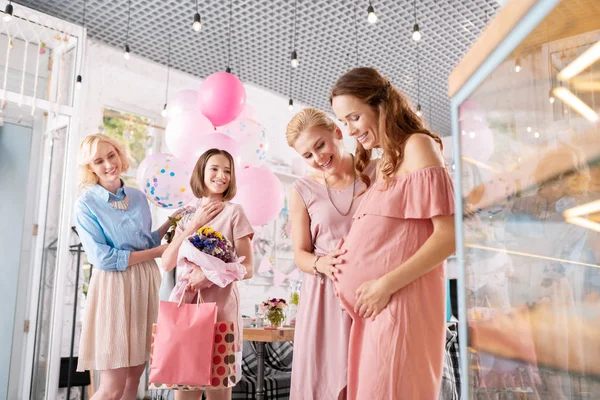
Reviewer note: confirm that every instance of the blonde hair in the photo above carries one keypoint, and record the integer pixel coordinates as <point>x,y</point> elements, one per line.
<point>310,118</point>
<point>197,180</point>
<point>87,151</point>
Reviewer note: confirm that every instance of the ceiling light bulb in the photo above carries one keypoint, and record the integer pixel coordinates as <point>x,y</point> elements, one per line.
<point>371,16</point>
<point>291,105</point>
<point>416,33</point>
<point>551,97</point>
<point>8,12</point>
<point>197,25</point>
<point>164,111</point>
<point>518,65</point>
<point>528,129</point>
<point>294,59</point>
<point>126,54</point>
<point>78,82</point>
<point>537,135</point>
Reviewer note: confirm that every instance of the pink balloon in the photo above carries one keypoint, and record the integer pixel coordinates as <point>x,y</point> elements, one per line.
<point>184,101</point>
<point>477,140</point>
<point>221,98</point>
<point>260,193</point>
<point>183,134</point>
<point>216,140</point>
<point>470,109</point>
<point>248,112</point>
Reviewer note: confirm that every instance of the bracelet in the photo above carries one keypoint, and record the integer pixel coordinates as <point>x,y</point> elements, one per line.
<point>315,271</point>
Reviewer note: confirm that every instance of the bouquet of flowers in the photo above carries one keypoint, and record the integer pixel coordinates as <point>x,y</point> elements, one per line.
<point>211,251</point>
<point>275,311</point>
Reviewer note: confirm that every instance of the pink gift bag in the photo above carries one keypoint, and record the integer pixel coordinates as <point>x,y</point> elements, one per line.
<point>223,365</point>
<point>184,344</point>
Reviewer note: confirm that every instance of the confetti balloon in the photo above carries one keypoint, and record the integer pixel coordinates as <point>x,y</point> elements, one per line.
<point>141,169</point>
<point>166,182</point>
<point>251,138</point>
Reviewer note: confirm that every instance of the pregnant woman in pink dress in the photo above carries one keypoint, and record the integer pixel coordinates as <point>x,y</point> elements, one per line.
<point>392,280</point>
<point>322,206</point>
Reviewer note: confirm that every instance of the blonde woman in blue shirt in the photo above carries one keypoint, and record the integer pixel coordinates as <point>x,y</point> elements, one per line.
<point>114,224</point>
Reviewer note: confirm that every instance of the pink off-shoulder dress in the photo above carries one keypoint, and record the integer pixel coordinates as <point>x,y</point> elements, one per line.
<point>400,354</point>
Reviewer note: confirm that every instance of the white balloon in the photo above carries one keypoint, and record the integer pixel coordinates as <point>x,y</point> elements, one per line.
<point>184,100</point>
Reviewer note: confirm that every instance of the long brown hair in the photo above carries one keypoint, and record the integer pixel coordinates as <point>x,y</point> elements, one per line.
<point>197,180</point>
<point>397,120</point>
<point>310,118</point>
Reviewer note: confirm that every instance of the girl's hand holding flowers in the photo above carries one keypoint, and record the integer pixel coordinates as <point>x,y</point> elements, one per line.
<point>371,298</point>
<point>196,280</point>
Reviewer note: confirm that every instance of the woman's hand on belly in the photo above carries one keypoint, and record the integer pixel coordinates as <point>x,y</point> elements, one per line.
<point>371,298</point>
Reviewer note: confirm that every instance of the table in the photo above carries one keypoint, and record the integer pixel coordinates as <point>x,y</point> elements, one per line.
<point>261,336</point>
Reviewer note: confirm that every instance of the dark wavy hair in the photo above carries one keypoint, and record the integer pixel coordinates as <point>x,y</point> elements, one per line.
<point>397,120</point>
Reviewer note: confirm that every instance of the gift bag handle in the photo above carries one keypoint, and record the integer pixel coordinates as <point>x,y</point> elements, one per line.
<point>199,299</point>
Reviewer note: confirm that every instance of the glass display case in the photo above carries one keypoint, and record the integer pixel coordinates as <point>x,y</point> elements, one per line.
<point>526,131</point>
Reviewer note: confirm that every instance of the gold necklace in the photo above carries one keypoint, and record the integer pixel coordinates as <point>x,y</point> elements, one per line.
<point>353,192</point>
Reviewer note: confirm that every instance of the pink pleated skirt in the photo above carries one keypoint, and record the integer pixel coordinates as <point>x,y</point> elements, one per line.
<point>117,322</point>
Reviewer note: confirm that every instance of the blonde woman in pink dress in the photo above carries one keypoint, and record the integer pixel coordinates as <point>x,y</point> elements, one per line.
<point>321,210</point>
<point>213,183</point>
<point>392,279</point>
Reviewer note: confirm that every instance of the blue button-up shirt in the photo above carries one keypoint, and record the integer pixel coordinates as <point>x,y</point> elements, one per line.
<point>109,235</point>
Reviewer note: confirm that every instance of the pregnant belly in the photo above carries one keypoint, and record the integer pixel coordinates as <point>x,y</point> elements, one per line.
<point>375,246</point>
<point>361,264</point>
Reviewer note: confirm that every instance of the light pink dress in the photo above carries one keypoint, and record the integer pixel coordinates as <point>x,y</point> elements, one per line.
<point>321,339</point>
<point>232,223</point>
<point>400,354</point>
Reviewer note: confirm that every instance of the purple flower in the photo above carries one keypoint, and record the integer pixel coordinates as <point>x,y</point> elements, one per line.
<point>212,245</point>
